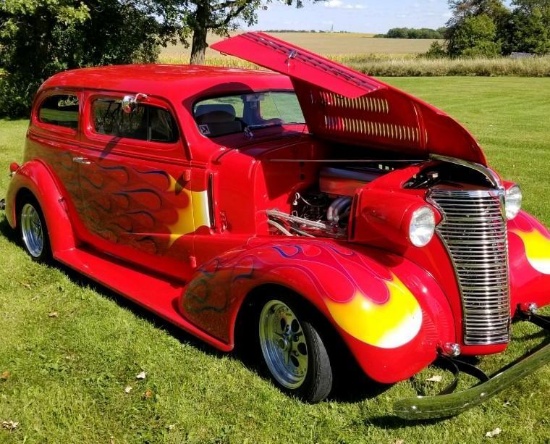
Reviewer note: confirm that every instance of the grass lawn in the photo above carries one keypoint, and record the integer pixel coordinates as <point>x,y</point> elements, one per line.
<point>70,354</point>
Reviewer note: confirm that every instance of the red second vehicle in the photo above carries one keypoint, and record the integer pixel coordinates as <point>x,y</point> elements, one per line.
<point>314,209</point>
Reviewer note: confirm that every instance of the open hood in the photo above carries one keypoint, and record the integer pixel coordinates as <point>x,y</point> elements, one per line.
<point>344,106</point>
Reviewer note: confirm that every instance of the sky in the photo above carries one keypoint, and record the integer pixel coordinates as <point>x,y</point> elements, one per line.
<point>369,16</point>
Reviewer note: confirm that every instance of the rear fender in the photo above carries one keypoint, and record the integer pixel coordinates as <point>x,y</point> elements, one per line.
<point>389,312</point>
<point>34,177</point>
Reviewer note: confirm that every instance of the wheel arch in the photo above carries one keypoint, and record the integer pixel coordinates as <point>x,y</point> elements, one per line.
<point>254,299</point>
<point>34,181</point>
<point>390,313</point>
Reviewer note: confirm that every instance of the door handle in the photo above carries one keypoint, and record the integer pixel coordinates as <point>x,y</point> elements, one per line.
<point>81,160</point>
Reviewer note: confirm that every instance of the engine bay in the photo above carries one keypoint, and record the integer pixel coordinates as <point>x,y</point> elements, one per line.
<point>323,210</point>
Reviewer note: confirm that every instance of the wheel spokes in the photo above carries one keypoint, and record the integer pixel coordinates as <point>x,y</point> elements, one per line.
<point>283,344</point>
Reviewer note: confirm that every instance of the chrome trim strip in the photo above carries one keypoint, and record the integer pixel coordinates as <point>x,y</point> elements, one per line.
<point>487,172</point>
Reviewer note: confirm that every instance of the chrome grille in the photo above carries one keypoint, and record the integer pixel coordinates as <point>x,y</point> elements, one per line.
<point>474,232</point>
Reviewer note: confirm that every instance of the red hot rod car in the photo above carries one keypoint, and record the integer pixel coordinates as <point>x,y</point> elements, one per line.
<point>312,206</point>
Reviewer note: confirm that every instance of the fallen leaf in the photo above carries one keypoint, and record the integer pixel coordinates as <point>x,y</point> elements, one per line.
<point>493,433</point>
<point>9,425</point>
<point>53,314</point>
<point>128,389</point>
<point>5,376</point>
<point>142,375</point>
<point>435,378</point>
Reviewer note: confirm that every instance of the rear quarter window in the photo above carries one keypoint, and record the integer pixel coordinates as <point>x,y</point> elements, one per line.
<point>60,110</point>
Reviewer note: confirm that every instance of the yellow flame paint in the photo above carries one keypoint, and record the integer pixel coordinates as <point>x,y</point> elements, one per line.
<point>195,215</point>
<point>388,325</point>
<point>537,249</point>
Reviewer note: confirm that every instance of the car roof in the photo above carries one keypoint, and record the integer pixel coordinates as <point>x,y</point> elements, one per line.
<point>171,81</point>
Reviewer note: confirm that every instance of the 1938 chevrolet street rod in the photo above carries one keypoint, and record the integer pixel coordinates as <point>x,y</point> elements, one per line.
<point>313,207</point>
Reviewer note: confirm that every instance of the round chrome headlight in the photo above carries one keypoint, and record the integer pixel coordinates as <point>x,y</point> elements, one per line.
<point>513,201</point>
<point>422,226</point>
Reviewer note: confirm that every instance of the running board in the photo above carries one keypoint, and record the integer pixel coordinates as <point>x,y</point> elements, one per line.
<point>156,294</point>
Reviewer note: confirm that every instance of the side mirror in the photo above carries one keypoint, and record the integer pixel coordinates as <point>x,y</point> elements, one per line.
<point>129,103</point>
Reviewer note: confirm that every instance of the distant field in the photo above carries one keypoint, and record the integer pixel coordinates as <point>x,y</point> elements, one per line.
<point>380,57</point>
<point>328,44</point>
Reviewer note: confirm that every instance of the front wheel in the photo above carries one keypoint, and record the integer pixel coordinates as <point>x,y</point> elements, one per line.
<point>33,231</point>
<point>293,351</point>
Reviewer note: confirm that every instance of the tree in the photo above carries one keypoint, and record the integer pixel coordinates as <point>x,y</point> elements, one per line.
<point>412,33</point>
<point>476,36</point>
<point>476,27</point>
<point>39,38</point>
<point>219,17</point>
<point>528,29</point>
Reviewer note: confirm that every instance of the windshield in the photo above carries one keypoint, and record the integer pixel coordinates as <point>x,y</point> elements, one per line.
<point>238,113</point>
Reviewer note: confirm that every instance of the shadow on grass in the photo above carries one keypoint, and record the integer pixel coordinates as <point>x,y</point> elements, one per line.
<point>6,231</point>
<point>79,279</point>
<point>351,385</point>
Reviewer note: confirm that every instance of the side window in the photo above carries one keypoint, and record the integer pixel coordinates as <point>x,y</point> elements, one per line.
<point>219,116</point>
<point>145,122</point>
<point>61,110</point>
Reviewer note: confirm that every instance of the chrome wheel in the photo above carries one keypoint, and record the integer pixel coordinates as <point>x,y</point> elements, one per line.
<point>32,230</point>
<point>283,344</point>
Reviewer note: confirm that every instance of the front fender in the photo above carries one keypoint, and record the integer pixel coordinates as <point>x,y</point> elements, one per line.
<point>390,313</point>
<point>529,252</point>
<point>35,177</point>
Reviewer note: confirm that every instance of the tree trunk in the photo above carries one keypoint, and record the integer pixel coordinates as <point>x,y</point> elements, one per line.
<point>199,45</point>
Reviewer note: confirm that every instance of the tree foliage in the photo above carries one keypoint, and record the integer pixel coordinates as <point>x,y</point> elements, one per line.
<point>219,17</point>
<point>413,33</point>
<point>476,36</point>
<point>529,27</point>
<point>39,38</point>
<point>475,28</point>
<point>489,28</point>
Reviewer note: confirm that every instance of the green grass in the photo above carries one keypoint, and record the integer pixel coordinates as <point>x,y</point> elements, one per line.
<point>69,351</point>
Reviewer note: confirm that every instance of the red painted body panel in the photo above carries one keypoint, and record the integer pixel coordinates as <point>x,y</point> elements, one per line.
<point>192,226</point>
<point>376,313</point>
<point>529,244</point>
<point>36,178</point>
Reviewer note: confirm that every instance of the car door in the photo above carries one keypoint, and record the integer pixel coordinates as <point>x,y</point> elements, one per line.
<point>54,138</point>
<point>135,181</point>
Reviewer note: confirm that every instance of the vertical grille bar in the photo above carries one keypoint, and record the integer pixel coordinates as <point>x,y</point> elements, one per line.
<point>474,232</point>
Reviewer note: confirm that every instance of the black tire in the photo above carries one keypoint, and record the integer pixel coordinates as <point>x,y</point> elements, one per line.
<point>292,350</point>
<point>33,230</point>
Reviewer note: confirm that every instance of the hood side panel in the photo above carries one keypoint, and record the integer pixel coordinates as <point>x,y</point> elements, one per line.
<point>379,119</point>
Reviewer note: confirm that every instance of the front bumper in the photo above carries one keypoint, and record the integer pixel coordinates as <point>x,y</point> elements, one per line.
<point>451,404</point>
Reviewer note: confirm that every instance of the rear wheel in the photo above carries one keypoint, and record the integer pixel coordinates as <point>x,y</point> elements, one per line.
<point>293,351</point>
<point>33,230</point>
